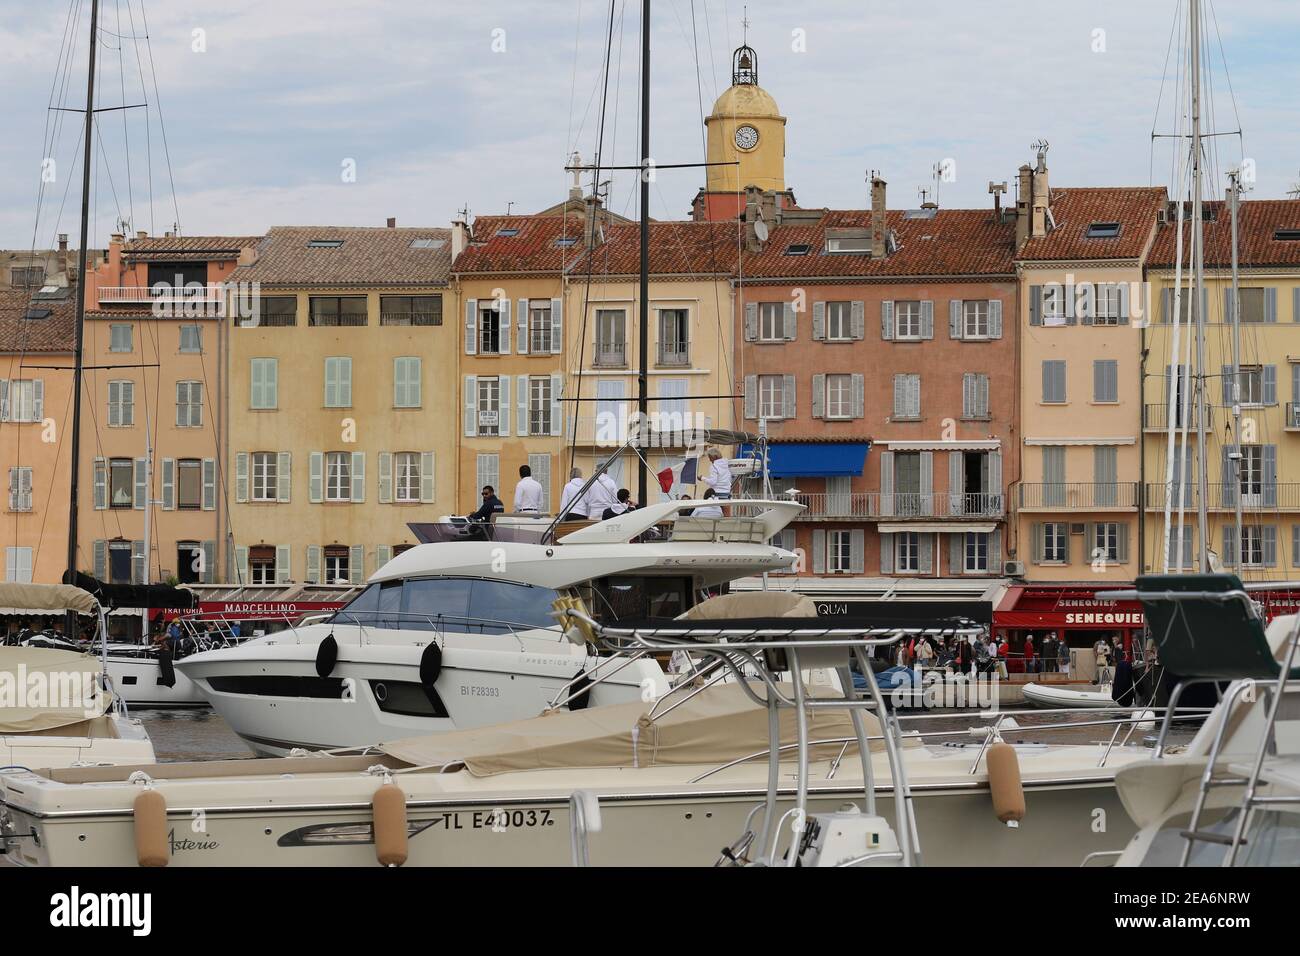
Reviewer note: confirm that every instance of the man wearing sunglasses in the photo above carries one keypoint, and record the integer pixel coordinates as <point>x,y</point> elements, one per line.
<point>491,505</point>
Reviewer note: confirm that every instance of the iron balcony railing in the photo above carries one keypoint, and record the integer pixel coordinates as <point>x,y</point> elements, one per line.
<point>898,506</point>
<point>675,355</point>
<point>1088,494</point>
<point>667,431</point>
<point>212,292</point>
<point>1156,417</point>
<point>1222,496</point>
<point>610,354</point>
<point>410,318</point>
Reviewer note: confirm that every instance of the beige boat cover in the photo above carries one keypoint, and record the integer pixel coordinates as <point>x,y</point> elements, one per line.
<point>46,597</point>
<point>48,675</point>
<point>715,726</point>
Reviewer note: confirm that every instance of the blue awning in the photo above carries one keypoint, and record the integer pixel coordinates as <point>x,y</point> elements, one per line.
<point>813,459</point>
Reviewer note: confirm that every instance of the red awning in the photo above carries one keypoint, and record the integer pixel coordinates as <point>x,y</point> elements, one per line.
<point>1066,607</point>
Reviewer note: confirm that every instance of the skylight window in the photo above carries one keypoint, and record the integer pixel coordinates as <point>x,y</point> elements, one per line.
<point>39,313</point>
<point>797,249</point>
<point>565,241</point>
<point>428,243</point>
<point>324,243</point>
<point>1287,235</point>
<point>1103,230</point>
<point>507,233</point>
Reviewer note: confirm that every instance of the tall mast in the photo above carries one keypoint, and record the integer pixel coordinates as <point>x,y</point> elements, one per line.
<point>643,331</point>
<point>86,160</point>
<point>1234,195</point>
<point>1198,287</point>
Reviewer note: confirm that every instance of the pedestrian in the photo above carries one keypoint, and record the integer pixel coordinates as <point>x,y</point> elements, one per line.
<point>924,654</point>
<point>1049,652</point>
<point>1031,665</point>
<point>1063,656</point>
<point>528,493</point>
<point>573,502</point>
<point>719,476</point>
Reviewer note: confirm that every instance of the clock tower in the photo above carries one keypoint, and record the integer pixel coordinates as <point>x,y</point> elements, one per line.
<point>745,127</point>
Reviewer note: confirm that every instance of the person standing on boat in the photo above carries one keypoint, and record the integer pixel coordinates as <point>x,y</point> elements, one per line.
<point>719,476</point>
<point>528,493</point>
<point>623,505</point>
<point>602,494</point>
<point>573,503</point>
<point>491,505</point>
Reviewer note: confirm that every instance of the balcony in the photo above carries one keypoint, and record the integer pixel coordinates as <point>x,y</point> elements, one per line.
<point>873,506</point>
<point>1069,496</point>
<point>610,355</point>
<point>612,429</point>
<point>208,299</point>
<point>675,355</point>
<point>1155,418</point>
<point>1271,498</point>
<point>1292,416</point>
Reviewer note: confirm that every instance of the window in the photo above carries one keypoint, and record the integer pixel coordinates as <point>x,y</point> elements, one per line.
<point>121,404</point>
<point>771,321</point>
<point>1252,472</point>
<point>1107,304</point>
<point>539,405</point>
<point>489,330</point>
<point>406,382</point>
<point>842,244</point>
<point>338,477</point>
<point>27,277</point>
<point>191,338</point>
<point>674,337</point>
<point>564,242</point>
<point>20,488</point>
<point>18,565</point>
<point>611,341</point>
<point>975,395</point>
<point>1055,542</point>
<point>839,552</point>
<point>1105,381</point>
<point>261,564</point>
<point>189,562</point>
<point>1103,230</point>
<point>1105,541</point>
<point>338,382</point>
<point>797,249</point>
<point>335,310</point>
<point>406,476</point>
<point>1054,476</point>
<point>839,321</point>
<point>1053,304</point>
<point>907,320</point>
<point>1054,382</point>
<point>489,406</point>
<point>907,397</point>
<point>189,404</point>
<point>119,337</point>
<point>907,552</point>
<point>1253,385</point>
<point>277,310</point>
<point>22,400</point>
<point>839,396</point>
<point>975,318</point>
<point>1286,235</point>
<point>1252,545</point>
<point>324,243</point>
<point>264,476</point>
<point>121,472</point>
<point>907,484</point>
<point>771,396</point>
<point>507,233</point>
<point>428,243</point>
<point>540,330</point>
<point>410,309</point>
<point>189,484</point>
<point>1105,475</point>
<point>337,565</point>
<point>264,380</point>
<point>977,553</point>
<point>1253,306</point>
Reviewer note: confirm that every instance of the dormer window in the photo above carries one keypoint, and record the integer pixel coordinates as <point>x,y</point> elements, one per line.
<point>1103,230</point>
<point>848,241</point>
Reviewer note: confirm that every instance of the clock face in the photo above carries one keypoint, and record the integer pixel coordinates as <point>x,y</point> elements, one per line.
<point>746,137</point>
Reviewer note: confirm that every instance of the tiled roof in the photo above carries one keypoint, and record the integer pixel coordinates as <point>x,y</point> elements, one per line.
<point>187,248</point>
<point>1074,210</point>
<point>1257,222</point>
<point>53,333</point>
<point>532,248</point>
<point>369,256</point>
<point>952,242</point>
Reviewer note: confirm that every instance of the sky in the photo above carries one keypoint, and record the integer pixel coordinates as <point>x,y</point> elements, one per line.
<point>347,112</point>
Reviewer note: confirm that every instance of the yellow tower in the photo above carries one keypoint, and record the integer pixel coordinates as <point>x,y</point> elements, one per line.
<point>745,126</point>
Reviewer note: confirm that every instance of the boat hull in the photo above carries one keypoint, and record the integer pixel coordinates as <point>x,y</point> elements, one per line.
<point>137,681</point>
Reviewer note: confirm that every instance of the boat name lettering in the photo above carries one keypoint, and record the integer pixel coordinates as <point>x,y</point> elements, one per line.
<point>478,690</point>
<point>184,843</point>
<point>498,820</point>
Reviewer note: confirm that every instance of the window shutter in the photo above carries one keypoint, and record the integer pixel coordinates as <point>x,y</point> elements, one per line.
<point>1227,473</point>
<point>954,319</point>
<point>925,553</point>
<point>358,476</point>
<point>1121,543</point>
<point>4,400</point>
<point>345,382</point>
<point>914,396</point>
<point>257,384</point>
<point>38,398</point>
<point>209,484</point>
<point>1227,306</point>
<point>1295,304</point>
<point>1036,536</point>
<point>995,318</point>
<point>995,552</point>
<point>522,312</point>
<point>859,395</point>
<point>1166,305</point>
<point>283,476</point>
<point>316,481</point>
<point>557,406</point>
<point>819,552</point>
<point>471,326</point>
<point>1270,304</point>
<point>819,322</point>
<point>818,396</point>
<point>982,396</point>
<point>858,319</point>
<point>968,395</point>
<point>557,327</point>
<point>101,486</point>
<point>751,396</point>
<point>503,407</point>
<point>209,562</point>
<point>789,321</point>
<point>385,477</point>
<point>1270,476</point>
<point>751,321</point>
<point>101,560</point>
<point>521,404</point>
<point>283,569</point>
<point>1229,555</point>
<point>1227,378</point>
<point>857,548</point>
<point>956,482</point>
<point>383,554</point>
<point>957,554</point>
<point>471,406</point>
<point>1295,545</point>
<point>900,396</point>
<point>1270,545</point>
<point>887,319</point>
<point>241,565</point>
<point>357,564</point>
<point>331,383</point>
<point>241,477</point>
<point>886,554</point>
<point>427,473</point>
<point>313,564</point>
<point>1270,384</point>
<point>788,397</point>
<point>141,488</point>
<point>399,382</point>
<point>927,319</point>
<point>137,562</point>
<point>1035,305</point>
<point>505,326</point>
<point>541,466</point>
<point>887,484</point>
<point>927,482</point>
<point>182,409</point>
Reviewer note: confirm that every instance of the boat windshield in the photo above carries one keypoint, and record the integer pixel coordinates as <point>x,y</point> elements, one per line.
<point>469,605</point>
<point>458,530</point>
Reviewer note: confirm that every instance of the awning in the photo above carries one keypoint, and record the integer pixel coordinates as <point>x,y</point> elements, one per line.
<point>946,527</point>
<point>134,595</point>
<point>813,459</point>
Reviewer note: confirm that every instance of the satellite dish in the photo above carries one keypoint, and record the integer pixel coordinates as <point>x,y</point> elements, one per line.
<point>760,230</point>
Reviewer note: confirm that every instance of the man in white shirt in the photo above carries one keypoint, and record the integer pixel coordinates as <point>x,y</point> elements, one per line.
<point>572,504</point>
<point>528,493</point>
<point>602,494</point>
<point>719,476</point>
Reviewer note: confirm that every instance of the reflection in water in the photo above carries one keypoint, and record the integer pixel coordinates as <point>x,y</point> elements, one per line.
<point>191,735</point>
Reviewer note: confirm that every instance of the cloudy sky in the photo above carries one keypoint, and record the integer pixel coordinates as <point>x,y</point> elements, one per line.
<point>437,105</point>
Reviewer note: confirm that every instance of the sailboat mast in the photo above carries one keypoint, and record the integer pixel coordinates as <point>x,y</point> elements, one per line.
<point>643,330</point>
<point>1235,195</point>
<point>86,160</point>
<point>1198,291</point>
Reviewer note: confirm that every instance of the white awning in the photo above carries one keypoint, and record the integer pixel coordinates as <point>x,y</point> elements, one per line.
<point>947,527</point>
<point>966,444</point>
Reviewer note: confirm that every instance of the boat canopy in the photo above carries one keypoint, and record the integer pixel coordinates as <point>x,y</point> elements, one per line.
<point>31,675</point>
<point>715,726</point>
<point>135,595</point>
<point>17,598</point>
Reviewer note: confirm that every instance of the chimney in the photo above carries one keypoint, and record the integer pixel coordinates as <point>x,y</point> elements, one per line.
<point>142,234</point>
<point>63,253</point>
<point>877,217</point>
<point>595,222</point>
<point>1024,190</point>
<point>1041,195</point>
<point>63,242</point>
<point>392,222</point>
<point>459,237</point>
